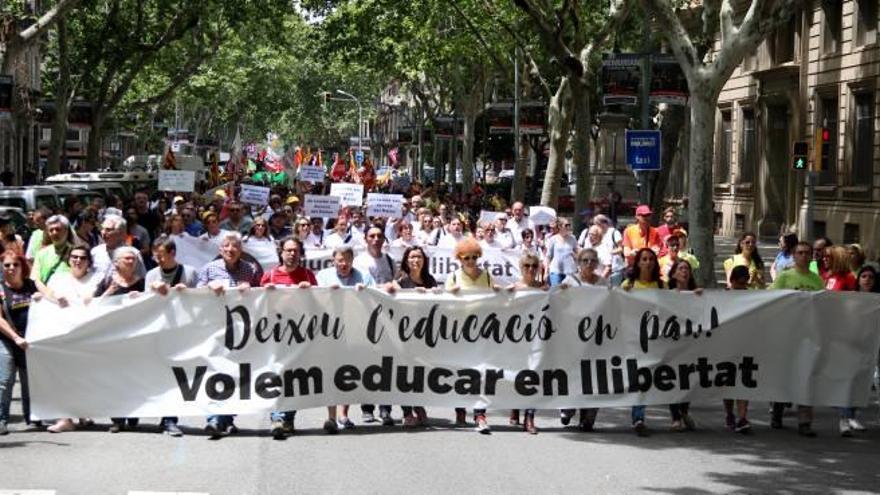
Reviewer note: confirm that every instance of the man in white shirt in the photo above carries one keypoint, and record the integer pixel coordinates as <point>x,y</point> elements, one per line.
<point>519,222</point>
<point>453,234</point>
<point>489,240</point>
<point>382,270</point>
<point>504,235</point>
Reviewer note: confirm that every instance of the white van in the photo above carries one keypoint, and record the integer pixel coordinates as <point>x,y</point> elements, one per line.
<point>122,184</point>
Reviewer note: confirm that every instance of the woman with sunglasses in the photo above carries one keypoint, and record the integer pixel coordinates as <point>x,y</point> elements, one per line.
<point>530,268</point>
<point>17,291</point>
<point>76,286</point>
<point>560,250</point>
<point>470,277</point>
<point>587,275</point>
<point>414,274</point>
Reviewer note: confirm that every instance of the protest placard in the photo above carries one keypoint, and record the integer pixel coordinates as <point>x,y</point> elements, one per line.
<point>489,216</point>
<point>254,195</point>
<point>177,180</point>
<point>311,174</point>
<point>541,215</point>
<point>351,194</point>
<point>384,205</point>
<point>322,206</point>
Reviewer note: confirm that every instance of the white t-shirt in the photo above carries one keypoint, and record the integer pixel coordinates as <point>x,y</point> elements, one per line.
<point>560,254</point>
<point>381,269</point>
<point>518,227</point>
<point>64,284</point>
<point>573,280</point>
<point>506,238</point>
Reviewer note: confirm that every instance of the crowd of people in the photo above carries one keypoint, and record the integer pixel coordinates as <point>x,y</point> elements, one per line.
<point>112,247</point>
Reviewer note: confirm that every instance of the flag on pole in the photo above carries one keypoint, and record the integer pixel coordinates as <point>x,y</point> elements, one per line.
<point>169,162</point>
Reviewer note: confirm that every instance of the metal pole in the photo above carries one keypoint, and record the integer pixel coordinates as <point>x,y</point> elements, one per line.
<point>516,136</point>
<point>360,126</point>
<point>811,203</point>
<point>644,95</point>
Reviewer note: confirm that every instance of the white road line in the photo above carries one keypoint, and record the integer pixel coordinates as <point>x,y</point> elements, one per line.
<point>140,492</point>
<point>26,492</point>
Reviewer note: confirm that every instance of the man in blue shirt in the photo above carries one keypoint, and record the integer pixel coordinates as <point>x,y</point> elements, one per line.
<point>343,274</point>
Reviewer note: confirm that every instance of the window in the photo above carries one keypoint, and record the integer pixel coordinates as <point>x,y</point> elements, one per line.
<point>866,22</point>
<point>863,140</point>
<point>828,113</point>
<point>739,222</point>
<point>725,144</point>
<point>73,134</point>
<point>851,233</point>
<point>46,134</point>
<point>832,11</point>
<point>781,43</point>
<point>820,229</point>
<point>748,148</point>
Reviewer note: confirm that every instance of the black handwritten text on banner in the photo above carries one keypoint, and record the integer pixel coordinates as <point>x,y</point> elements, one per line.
<point>254,351</point>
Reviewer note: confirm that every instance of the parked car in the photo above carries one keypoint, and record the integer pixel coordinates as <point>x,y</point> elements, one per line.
<point>29,198</point>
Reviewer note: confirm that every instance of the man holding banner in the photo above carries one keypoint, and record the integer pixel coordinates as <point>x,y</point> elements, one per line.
<point>381,268</point>
<point>290,274</point>
<point>230,271</point>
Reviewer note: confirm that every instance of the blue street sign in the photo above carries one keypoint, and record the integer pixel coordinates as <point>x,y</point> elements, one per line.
<point>643,150</point>
<point>359,157</point>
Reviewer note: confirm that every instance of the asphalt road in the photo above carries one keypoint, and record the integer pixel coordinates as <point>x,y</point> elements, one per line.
<point>444,459</point>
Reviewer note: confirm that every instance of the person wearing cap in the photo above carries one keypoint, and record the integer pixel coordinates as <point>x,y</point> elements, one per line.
<point>640,235</point>
<point>278,226</point>
<point>176,205</point>
<point>675,244</point>
<point>213,232</point>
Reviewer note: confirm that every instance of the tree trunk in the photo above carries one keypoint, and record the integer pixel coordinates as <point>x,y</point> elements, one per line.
<point>467,159</point>
<point>581,148</point>
<point>701,208</point>
<point>96,135</point>
<point>559,128</point>
<point>671,126</point>
<point>520,170</point>
<point>63,97</point>
<point>453,152</point>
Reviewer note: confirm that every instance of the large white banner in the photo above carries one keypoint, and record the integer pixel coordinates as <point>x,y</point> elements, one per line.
<point>253,351</point>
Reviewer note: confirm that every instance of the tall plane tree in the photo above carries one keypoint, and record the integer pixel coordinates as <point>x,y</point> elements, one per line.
<point>707,70</point>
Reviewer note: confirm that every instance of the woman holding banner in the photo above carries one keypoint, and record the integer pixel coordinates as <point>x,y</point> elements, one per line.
<point>17,291</point>
<point>125,279</point>
<point>681,277</point>
<point>530,268</point>
<point>645,274</point>
<point>414,274</point>
<point>588,262</point>
<point>470,277</point>
<point>77,285</point>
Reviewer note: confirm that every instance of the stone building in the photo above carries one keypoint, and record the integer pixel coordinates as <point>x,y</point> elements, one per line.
<point>822,69</point>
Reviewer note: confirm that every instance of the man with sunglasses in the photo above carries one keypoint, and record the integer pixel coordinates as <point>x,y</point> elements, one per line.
<point>383,271</point>
<point>799,277</point>
<point>237,220</point>
<point>640,235</point>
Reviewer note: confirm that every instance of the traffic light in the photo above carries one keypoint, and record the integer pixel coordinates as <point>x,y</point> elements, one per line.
<point>799,155</point>
<point>822,160</point>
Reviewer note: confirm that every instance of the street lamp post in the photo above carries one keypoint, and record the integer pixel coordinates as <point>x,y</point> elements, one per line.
<point>354,98</point>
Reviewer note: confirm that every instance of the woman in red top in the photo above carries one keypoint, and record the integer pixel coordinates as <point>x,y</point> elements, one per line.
<point>839,277</point>
<point>837,274</point>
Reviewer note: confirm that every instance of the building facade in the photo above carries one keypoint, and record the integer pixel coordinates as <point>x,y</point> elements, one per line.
<point>821,70</point>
